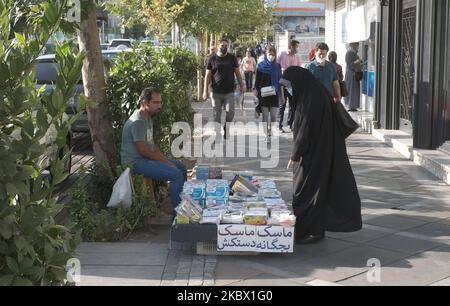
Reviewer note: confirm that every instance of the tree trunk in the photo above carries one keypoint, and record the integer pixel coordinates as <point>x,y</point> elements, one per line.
<point>199,72</point>
<point>95,90</point>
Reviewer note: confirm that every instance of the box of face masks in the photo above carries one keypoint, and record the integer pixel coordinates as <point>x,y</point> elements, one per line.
<point>195,189</point>
<point>217,189</point>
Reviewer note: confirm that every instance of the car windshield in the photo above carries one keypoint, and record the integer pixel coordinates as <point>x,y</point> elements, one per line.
<point>120,42</point>
<point>46,72</point>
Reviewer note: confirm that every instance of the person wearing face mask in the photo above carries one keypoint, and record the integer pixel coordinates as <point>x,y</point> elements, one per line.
<point>268,74</point>
<point>139,150</point>
<point>326,72</point>
<point>286,60</point>
<point>221,71</point>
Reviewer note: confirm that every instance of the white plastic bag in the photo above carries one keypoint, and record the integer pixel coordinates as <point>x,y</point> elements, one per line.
<point>122,194</point>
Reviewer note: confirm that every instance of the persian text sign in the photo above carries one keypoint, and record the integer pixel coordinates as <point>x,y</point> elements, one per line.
<point>249,238</point>
<point>275,239</point>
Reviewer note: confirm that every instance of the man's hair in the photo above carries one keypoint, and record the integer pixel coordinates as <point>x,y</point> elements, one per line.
<point>147,94</point>
<point>322,46</point>
<point>223,40</point>
<point>294,43</point>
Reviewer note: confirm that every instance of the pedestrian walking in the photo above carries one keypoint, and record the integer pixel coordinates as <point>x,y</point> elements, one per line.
<point>288,59</point>
<point>332,57</point>
<point>221,71</point>
<point>326,197</point>
<point>325,71</point>
<point>268,90</point>
<point>353,77</point>
<point>249,68</point>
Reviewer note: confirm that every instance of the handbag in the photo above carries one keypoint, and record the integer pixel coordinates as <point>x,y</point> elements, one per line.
<point>344,91</point>
<point>268,91</point>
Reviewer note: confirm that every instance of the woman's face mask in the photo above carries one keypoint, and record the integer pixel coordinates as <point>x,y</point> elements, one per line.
<point>272,58</point>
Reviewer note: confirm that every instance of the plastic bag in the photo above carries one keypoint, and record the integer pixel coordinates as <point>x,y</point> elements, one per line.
<point>122,194</point>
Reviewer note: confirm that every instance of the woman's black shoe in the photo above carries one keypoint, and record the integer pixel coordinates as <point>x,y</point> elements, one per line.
<point>310,239</point>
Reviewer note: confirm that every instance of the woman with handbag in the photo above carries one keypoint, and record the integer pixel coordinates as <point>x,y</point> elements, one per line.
<point>326,196</point>
<point>268,90</point>
<point>332,57</point>
<point>353,76</point>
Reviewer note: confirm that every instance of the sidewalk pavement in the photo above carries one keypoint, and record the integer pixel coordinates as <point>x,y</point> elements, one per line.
<point>406,213</point>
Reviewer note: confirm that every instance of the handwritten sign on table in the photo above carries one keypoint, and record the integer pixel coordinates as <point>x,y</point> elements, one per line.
<point>248,238</point>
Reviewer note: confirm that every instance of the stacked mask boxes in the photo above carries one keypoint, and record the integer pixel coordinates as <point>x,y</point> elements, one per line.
<point>196,190</point>
<point>217,193</point>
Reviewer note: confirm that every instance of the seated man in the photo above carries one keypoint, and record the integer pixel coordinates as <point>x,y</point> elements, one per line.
<point>139,150</point>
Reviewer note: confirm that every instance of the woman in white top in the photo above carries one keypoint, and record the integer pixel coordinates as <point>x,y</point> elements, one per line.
<point>248,65</point>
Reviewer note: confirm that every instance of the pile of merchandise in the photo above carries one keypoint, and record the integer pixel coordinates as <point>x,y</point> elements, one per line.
<point>216,201</point>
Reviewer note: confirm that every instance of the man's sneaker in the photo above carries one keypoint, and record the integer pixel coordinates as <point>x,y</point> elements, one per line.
<point>282,130</point>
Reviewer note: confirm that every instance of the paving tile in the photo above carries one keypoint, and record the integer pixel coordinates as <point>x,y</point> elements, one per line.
<point>435,230</point>
<point>119,247</point>
<point>123,259</point>
<point>232,271</point>
<point>266,280</point>
<point>404,244</point>
<point>421,270</point>
<point>120,276</point>
<point>443,283</point>
<point>364,235</point>
<point>395,222</point>
<point>344,264</point>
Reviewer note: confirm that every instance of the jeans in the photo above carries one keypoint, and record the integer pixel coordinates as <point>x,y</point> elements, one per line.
<point>282,109</point>
<point>249,79</point>
<point>160,171</point>
<point>220,101</point>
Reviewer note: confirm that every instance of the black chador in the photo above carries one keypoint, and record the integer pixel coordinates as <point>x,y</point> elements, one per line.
<point>326,197</point>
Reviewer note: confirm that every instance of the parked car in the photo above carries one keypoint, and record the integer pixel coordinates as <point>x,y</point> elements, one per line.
<point>46,74</point>
<point>120,43</point>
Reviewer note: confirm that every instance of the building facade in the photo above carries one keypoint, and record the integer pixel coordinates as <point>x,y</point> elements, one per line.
<point>406,48</point>
<point>303,21</point>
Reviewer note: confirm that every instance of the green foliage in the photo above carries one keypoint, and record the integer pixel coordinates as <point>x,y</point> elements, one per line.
<point>171,70</point>
<point>159,15</point>
<point>98,223</point>
<point>230,18</point>
<point>33,248</point>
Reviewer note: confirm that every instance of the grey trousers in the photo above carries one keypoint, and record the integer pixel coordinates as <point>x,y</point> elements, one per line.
<point>221,101</point>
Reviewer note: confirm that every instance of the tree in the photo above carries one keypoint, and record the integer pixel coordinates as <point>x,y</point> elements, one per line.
<point>34,249</point>
<point>229,18</point>
<point>95,88</point>
<point>159,15</point>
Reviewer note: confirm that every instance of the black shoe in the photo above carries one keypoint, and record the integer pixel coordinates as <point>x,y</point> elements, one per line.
<point>310,239</point>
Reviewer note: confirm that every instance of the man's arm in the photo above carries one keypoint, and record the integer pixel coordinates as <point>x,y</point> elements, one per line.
<point>155,155</point>
<point>207,83</point>
<point>337,91</point>
<point>237,71</point>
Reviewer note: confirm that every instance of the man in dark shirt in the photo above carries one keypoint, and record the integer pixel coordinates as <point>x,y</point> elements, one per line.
<point>221,70</point>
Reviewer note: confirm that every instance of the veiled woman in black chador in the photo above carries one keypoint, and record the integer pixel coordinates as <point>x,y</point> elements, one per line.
<point>326,197</point>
